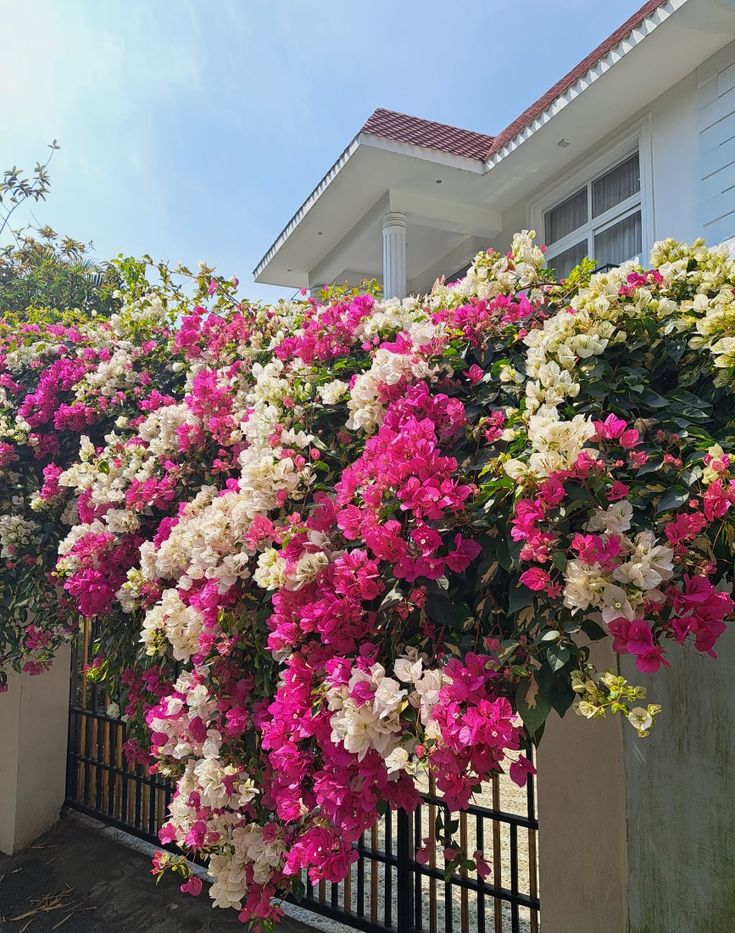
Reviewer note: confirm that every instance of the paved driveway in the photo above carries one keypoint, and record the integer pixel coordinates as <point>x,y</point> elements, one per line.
<point>78,879</point>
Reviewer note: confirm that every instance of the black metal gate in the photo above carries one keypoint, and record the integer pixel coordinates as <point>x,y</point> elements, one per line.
<point>387,889</point>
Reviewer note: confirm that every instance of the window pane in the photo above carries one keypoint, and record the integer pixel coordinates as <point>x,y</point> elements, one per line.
<point>617,185</point>
<point>569,215</point>
<point>620,242</point>
<point>563,263</point>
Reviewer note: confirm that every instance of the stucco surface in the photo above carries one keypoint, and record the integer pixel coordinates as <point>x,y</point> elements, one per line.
<point>681,798</point>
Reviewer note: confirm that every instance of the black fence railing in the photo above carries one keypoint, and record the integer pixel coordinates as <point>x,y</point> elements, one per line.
<point>387,889</point>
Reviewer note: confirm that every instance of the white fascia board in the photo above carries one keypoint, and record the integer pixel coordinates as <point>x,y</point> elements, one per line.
<point>601,67</point>
<point>437,156</point>
<point>307,205</point>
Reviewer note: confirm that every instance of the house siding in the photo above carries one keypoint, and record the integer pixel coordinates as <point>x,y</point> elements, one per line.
<point>716,139</point>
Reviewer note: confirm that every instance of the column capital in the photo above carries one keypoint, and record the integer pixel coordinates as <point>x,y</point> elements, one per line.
<point>394,219</point>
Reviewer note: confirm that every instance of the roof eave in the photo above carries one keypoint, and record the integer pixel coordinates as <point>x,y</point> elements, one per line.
<point>372,141</point>
<point>601,66</point>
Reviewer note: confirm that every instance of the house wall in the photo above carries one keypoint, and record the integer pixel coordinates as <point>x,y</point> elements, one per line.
<point>691,133</point>
<point>716,145</point>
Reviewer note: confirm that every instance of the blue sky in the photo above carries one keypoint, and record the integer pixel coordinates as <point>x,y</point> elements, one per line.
<point>193,129</point>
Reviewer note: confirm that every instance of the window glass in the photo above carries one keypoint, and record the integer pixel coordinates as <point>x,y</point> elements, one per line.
<point>620,242</point>
<point>564,262</point>
<point>565,218</point>
<point>616,185</point>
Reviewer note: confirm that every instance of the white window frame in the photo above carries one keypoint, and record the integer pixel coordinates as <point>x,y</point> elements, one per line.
<point>637,137</point>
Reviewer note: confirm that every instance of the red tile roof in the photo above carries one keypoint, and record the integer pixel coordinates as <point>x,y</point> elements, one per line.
<point>537,108</point>
<point>430,135</point>
<point>426,133</point>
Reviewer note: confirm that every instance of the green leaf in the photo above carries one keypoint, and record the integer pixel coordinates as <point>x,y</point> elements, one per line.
<point>654,400</point>
<point>593,630</point>
<point>519,598</point>
<point>559,560</point>
<point>533,707</point>
<point>675,497</point>
<point>650,466</point>
<point>557,656</point>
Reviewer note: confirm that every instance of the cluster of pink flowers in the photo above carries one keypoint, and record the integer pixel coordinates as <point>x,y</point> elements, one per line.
<point>648,580</point>
<point>332,547</point>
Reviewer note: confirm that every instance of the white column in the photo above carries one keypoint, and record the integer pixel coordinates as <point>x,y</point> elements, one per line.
<point>34,717</point>
<point>394,255</point>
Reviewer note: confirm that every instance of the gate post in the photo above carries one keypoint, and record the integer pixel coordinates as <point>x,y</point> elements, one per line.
<point>34,719</point>
<point>583,857</point>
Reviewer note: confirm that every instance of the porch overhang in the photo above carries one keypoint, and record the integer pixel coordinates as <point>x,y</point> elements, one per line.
<point>336,234</point>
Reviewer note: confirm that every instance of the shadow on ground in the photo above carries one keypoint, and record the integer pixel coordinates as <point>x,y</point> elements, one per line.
<point>76,879</point>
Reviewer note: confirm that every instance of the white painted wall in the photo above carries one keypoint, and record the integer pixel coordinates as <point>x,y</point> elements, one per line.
<point>34,716</point>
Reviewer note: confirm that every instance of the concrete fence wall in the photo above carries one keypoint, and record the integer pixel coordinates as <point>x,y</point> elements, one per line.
<point>636,836</point>
<point>34,716</point>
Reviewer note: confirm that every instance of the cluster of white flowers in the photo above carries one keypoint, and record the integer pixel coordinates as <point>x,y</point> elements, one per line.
<point>390,316</point>
<point>274,571</point>
<point>333,392</point>
<point>360,725</point>
<point>173,621</point>
<point>622,591</point>
<point>109,376</point>
<point>16,533</point>
<point>492,274</point>
<point>387,368</point>
<point>556,444</point>
<point>250,848</point>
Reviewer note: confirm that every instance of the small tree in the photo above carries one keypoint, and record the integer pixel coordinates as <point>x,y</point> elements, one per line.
<point>39,268</point>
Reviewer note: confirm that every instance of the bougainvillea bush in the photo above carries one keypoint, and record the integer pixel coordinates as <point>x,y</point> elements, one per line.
<point>334,545</point>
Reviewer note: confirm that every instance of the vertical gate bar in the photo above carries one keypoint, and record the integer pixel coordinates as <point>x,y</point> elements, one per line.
<point>515,922</point>
<point>433,905</point>
<point>106,768</point>
<point>480,834</point>
<point>82,769</point>
<point>374,875</point>
<point>138,796</point>
<point>464,893</point>
<point>161,808</point>
<point>418,880</point>
<point>152,801</point>
<point>448,907</point>
<point>532,876</point>
<point>99,762</point>
<point>388,874</point>
<point>404,875</point>
<point>361,879</point>
<point>119,806</point>
<point>347,892</point>
<point>322,891</point>
<point>72,739</point>
<point>92,756</point>
<point>497,866</point>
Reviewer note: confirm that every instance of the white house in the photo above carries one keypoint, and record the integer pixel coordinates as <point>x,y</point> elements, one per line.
<point>636,143</point>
